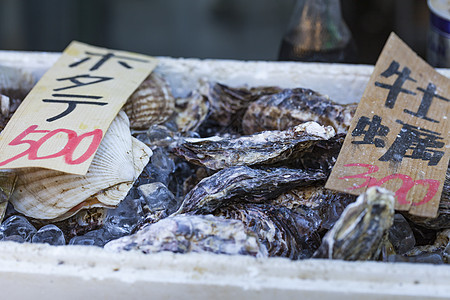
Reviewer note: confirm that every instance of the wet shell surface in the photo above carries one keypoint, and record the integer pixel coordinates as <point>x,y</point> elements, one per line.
<point>191,112</point>
<point>151,103</point>
<point>8,180</point>
<point>185,234</point>
<point>48,194</point>
<point>284,232</point>
<point>229,103</point>
<point>291,107</point>
<point>244,184</point>
<point>264,148</point>
<point>362,229</point>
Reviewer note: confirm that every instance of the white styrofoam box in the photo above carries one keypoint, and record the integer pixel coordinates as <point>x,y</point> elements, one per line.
<point>75,272</point>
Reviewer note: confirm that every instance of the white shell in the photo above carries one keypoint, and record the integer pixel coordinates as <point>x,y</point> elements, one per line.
<point>48,194</point>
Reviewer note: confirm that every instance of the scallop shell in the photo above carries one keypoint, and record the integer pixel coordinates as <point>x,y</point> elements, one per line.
<point>151,103</point>
<point>48,194</point>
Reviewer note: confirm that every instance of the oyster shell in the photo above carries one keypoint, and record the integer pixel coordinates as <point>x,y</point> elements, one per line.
<point>322,155</point>
<point>151,103</point>
<point>315,199</point>
<point>8,181</point>
<point>260,149</point>
<point>441,242</point>
<point>48,194</point>
<point>7,108</point>
<point>291,107</point>
<point>436,253</point>
<point>283,232</point>
<point>191,112</point>
<point>228,104</point>
<point>362,229</point>
<point>184,234</point>
<point>244,184</point>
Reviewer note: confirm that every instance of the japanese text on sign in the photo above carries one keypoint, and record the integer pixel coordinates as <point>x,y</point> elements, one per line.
<point>61,122</point>
<point>400,133</point>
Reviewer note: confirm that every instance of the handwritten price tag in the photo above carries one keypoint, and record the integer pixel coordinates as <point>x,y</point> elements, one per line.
<point>61,122</point>
<point>399,137</point>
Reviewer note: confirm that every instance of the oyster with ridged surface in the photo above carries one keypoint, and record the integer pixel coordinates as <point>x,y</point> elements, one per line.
<point>264,148</point>
<point>284,232</point>
<point>291,107</point>
<point>228,104</point>
<point>244,184</point>
<point>362,229</point>
<point>185,234</point>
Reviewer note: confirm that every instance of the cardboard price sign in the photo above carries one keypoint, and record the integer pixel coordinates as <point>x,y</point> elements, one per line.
<point>61,122</point>
<point>399,136</point>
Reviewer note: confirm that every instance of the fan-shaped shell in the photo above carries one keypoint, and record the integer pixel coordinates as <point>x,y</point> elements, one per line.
<point>48,194</point>
<point>151,103</point>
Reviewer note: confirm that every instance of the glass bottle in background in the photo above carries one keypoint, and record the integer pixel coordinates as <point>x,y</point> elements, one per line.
<point>318,33</point>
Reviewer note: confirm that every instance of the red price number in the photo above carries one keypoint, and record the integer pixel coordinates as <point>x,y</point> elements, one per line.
<point>407,183</point>
<point>73,141</point>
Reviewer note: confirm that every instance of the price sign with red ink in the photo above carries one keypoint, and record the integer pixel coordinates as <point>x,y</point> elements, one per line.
<point>399,137</point>
<point>62,121</point>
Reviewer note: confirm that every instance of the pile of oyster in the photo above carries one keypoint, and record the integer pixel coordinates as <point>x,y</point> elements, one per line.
<point>230,170</point>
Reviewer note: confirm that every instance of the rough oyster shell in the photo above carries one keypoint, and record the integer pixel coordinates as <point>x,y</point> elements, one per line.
<point>327,204</point>
<point>260,149</point>
<point>291,107</point>
<point>48,194</point>
<point>362,229</point>
<point>7,108</point>
<point>151,103</point>
<point>244,184</point>
<point>184,234</point>
<point>283,232</point>
<point>191,112</point>
<point>228,104</point>
<point>8,180</point>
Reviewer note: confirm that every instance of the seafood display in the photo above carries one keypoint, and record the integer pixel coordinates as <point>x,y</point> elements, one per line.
<point>290,107</point>
<point>7,184</point>
<point>362,229</point>
<point>48,194</point>
<point>7,108</point>
<point>184,234</point>
<point>228,104</point>
<point>230,170</point>
<point>151,103</point>
<point>244,184</point>
<point>284,232</point>
<point>265,148</point>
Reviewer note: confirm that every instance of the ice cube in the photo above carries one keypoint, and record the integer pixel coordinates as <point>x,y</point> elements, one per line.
<point>49,234</point>
<point>97,238</point>
<point>123,219</point>
<point>158,197</point>
<point>17,226</point>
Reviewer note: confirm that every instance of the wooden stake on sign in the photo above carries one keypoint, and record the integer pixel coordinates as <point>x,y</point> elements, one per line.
<point>61,122</point>
<point>399,136</point>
